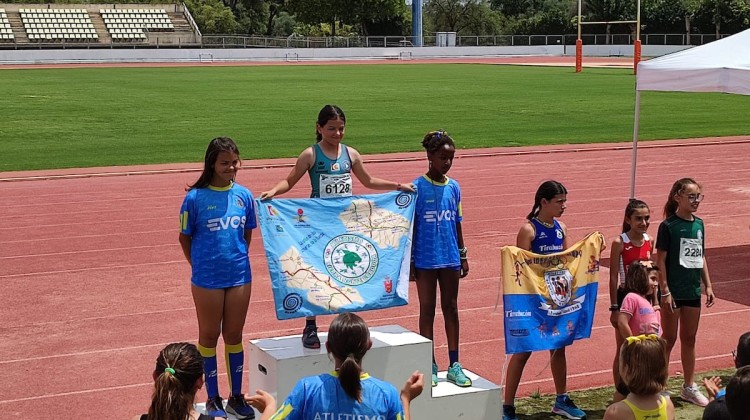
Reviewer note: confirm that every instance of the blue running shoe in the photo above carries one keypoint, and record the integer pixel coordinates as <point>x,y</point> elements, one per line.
<point>565,407</point>
<point>237,406</point>
<point>434,374</point>
<point>457,376</point>
<point>215,407</point>
<point>509,412</point>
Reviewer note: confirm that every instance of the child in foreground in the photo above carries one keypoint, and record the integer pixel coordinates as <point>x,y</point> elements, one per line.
<point>644,369</point>
<point>347,391</point>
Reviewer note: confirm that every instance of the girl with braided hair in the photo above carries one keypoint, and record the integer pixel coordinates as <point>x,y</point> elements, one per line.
<point>438,250</point>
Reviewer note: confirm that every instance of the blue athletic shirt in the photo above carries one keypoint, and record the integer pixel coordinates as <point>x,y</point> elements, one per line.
<point>325,166</point>
<point>216,220</point>
<point>438,209</point>
<point>322,397</point>
<point>547,240</point>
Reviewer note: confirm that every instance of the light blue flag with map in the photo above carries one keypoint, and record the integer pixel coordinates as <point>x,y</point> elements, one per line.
<point>333,255</point>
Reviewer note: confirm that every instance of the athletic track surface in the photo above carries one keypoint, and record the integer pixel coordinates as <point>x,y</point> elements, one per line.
<point>95,283</point>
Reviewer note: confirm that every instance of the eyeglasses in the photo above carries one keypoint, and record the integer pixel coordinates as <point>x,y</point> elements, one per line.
<point>695,198</point>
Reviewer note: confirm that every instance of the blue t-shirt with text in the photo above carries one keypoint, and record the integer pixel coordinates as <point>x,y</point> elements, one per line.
<point>322,397</point>
<point>438,209</point>
<point>216,220</point>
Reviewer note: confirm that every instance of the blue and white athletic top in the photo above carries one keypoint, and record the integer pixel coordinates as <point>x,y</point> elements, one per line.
<point>322,397</point>
<point>331,177</point>
<point>547,240</point>
<point>216,220</point>
<point>438,209</point>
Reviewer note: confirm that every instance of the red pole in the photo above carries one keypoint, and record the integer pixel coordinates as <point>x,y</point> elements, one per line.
<point>636,55</point>
<point>579,55</point>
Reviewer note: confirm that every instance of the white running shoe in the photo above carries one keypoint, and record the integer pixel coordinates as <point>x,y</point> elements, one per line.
<point>694,395</point>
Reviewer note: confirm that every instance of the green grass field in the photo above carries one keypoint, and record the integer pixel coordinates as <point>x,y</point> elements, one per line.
<point>60,118</point>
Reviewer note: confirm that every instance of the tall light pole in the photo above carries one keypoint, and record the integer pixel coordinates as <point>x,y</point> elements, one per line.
<point>416,22</point>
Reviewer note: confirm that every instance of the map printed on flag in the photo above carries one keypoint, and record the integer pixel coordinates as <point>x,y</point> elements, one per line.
<point>332,255</point>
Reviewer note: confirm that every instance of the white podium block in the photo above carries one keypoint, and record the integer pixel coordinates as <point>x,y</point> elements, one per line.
<point>276,364</point>
<point>481,401</point>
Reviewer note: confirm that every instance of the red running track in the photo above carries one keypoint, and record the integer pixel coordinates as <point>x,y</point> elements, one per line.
<point>95,282</point>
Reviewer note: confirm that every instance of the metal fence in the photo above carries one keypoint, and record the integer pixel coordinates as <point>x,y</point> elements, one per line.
<point>235,41</point>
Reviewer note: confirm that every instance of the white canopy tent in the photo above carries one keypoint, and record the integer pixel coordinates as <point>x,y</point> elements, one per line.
<point>721,66</point>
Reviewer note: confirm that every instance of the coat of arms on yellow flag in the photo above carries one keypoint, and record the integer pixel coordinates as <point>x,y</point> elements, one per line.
<point>549,300</point>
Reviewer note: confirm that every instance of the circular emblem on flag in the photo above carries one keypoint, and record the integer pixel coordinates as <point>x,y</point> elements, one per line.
<point>351,259</point>
<point>403,199</point>
<point>292,302</point>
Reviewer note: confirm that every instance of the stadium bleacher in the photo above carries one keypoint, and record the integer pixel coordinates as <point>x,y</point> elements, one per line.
<point>129,24</point>
<point>58,24</point>
<point>6,33</point>
<point>96,25</point>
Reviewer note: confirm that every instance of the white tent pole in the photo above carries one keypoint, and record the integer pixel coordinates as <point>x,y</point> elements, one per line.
<point>635,143</point>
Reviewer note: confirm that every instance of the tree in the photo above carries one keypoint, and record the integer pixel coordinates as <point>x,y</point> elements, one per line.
<point>511,8</point>
<point>212,16</point>
<point>359,13</point>
<point>451,15</point>
<point>663,16</point>
<point>275,9</point>
<point>251,15</point>
<point>610,10</point>
<point>690,7</point>
<point>484,21</point>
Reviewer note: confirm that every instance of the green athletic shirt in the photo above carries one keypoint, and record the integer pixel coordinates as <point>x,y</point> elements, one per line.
<point>684,283</point>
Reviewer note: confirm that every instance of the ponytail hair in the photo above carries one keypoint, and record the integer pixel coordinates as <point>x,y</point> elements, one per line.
<point>548,190</point>
<point>632,206</point>
<point>179,366</point>
<point>670,208</point>
<point>348,341</point>
<point>328,113</point>
<point>216,146</point>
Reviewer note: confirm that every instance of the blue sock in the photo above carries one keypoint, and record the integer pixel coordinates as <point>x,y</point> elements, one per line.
<point>452,356</point>
<point>211,369</point>
<point>235,357</point>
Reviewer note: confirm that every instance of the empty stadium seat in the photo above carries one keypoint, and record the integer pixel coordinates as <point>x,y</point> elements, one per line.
<point>6,33</point>
<point>58,24</point>
<point>132,24</point>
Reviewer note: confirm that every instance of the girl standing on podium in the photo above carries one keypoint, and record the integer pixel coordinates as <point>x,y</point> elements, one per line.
<point>438,251</point>
<point>329,163</point>
<point>217,219</point>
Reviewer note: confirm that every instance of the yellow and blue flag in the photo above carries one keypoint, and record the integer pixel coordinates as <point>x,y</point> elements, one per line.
<point>549,300</point>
